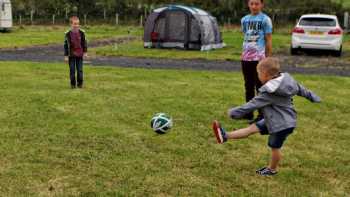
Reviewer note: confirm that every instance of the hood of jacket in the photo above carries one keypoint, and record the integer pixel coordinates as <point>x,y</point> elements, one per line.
<point>284,85</point>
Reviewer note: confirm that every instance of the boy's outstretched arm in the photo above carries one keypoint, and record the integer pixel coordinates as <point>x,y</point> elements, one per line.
<point>308,94</point>
<point>256,103</point>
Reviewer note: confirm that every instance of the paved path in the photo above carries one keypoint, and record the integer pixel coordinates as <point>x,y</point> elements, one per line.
<point>54,53</point>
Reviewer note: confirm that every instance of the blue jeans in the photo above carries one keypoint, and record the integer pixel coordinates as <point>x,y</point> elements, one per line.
<point>276,140</point>
<point>76,66</point>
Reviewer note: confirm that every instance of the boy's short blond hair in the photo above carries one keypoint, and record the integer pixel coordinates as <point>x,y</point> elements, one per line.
<point>74,18</point>
<point>270,66</point>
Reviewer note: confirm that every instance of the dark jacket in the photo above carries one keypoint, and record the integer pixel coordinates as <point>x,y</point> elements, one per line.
<point>276,101</point>
<point>67,43</point>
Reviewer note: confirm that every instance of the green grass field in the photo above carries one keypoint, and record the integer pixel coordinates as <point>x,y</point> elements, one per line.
<point>232,37</point>
<point>97,141</point>
<point>40,35</point>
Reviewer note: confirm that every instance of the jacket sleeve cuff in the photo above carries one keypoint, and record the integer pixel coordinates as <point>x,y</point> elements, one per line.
<point>234,113</point>
<point>315,98</point>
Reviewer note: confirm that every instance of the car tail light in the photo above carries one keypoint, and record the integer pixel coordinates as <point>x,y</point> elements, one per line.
<point>154,35</point>
<point>298,30</point>
<point>337,31</point>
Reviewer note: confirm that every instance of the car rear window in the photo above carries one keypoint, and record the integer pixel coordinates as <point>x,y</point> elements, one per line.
<point>323,22</point>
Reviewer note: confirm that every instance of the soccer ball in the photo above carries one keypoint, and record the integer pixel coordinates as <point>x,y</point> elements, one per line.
<point>161,123</point>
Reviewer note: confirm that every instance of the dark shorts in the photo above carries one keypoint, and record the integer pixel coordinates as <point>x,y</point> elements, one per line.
<point>276,140</point>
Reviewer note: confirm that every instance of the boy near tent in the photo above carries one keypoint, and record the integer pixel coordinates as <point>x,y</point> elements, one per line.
<point>75,48</point>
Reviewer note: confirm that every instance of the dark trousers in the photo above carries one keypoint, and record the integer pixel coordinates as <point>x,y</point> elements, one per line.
<point>251,83</point>
<point>76,66</point>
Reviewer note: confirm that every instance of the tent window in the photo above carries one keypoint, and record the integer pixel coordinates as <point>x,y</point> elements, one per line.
<point>177,26</point>
<point>3,7</point>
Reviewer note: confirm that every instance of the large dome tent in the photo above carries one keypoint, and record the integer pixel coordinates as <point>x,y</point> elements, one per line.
<point>177,26</point>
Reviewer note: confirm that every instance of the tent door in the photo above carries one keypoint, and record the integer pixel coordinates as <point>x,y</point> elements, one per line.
<point>194,34</point>
<point>159,32</point>
<point>177,27</point>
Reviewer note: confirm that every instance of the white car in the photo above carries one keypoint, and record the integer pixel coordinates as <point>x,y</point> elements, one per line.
<point>317,31</point>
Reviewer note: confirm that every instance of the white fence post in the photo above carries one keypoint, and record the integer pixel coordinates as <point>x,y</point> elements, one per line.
<point>32,17</point>
<point>141,20</point>
<point>104,14</point>
<point>85,19</point>
<point>117,19</point>
<point>346,21</point>
<point>66,14</point>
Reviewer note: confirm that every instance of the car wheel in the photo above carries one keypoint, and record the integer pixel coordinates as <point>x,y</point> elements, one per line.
<point>339,52</point>
<point>293,51</point>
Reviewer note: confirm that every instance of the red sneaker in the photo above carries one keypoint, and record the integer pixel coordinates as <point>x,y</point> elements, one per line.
<point>219,132</point>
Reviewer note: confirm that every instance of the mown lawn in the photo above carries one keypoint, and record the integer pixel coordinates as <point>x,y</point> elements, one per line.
<point>232,37</point>
<point>97,142</point>
<point>40,35</point>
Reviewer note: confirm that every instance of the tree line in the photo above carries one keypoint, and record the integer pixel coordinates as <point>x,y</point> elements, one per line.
<point>224,10</point>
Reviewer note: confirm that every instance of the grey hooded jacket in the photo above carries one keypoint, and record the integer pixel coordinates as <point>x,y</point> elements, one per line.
<point>275,99</point>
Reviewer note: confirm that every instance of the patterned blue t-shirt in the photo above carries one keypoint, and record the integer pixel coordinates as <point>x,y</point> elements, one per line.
<point>255,28</point>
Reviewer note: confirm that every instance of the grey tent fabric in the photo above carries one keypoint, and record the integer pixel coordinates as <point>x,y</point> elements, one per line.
<point>177,26</point>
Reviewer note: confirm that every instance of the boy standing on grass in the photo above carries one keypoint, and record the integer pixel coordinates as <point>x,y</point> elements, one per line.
<point>275,100</point>
<point>257,44</point>
<point>75,48</point>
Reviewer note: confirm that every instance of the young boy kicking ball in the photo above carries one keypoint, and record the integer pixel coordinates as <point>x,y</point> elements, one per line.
<point>275,99</point>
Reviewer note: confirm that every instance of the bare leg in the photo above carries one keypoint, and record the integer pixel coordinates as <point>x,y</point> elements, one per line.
<point>276,157</point>
<point>243,133</point>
